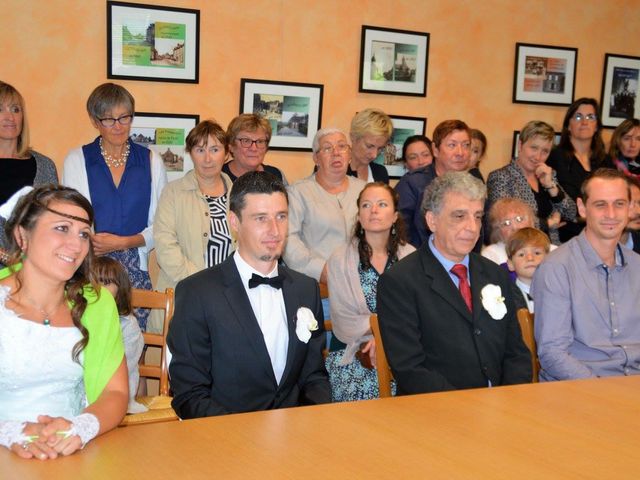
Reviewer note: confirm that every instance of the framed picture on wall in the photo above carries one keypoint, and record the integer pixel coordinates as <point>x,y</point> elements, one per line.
<point>393,61</point>
<point>403,128</point>
<point>516,137</point>
<point>165,134</point>
<point>619,98</point>
<point>149,42</point>
<point>544,74</point>
<point>293,109</point>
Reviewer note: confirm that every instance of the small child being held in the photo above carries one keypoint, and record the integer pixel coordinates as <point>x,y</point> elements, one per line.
<point>112,275</point>
<point>525,251</point>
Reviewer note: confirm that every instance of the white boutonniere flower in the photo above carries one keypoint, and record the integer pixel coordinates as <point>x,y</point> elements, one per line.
<point>305,324</point>
<point>493,301</point>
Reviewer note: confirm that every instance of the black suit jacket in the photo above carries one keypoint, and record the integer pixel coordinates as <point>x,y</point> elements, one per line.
<point>433,342</point>
<point>220,363</point>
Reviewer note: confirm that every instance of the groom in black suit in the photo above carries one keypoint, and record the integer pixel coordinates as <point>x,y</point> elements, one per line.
<point>243,336</point>
<point>447,315</point>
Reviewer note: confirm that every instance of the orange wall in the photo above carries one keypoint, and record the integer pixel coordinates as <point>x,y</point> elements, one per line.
<point>54,53</point>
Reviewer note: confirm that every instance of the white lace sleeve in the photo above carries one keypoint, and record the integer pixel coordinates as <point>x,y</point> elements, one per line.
<point>86,426</point>
<point>12,432</point>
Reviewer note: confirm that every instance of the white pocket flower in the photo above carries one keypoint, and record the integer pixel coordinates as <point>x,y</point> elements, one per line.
<point>493,301</point>
<point>305,324</point>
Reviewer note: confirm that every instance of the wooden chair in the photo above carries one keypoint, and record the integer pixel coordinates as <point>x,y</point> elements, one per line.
<point>324,290</point>
<point>382,366</point>
<point>159,406</point>
<point>525,319</point>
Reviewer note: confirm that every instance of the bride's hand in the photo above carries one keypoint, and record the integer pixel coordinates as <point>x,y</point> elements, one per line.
<point>36,446</point>
<point>55,430</point>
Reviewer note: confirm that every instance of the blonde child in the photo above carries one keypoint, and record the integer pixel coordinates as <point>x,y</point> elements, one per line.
<point>114,278</point>
<point>526,249</point>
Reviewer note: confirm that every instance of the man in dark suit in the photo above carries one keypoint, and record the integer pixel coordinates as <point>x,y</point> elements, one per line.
<point>446,314</point>
<point>243,336</point>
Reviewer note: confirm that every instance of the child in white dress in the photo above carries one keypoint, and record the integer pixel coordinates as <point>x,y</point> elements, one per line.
<point>114,278</point>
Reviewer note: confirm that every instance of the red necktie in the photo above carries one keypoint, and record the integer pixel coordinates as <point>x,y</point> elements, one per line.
<point>460,271</point>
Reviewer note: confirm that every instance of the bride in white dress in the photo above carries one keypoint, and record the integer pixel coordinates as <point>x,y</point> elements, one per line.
<point>63,379</point>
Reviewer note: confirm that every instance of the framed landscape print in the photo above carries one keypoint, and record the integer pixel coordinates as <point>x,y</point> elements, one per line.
<point>393,61</point>
<point>403,128</point>
<point>293,109</point>
<point>544,74</point>
<point>149,42</point>
<point>165,134</point>
<point>619,98</point>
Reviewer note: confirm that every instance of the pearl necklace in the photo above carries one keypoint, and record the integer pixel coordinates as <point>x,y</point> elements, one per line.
<point>113,162</point>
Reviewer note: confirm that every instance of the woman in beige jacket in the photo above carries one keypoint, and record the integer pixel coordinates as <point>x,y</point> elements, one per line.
<point>190,230</point>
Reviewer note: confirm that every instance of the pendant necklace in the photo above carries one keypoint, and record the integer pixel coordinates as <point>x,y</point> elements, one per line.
<point>46,320</point>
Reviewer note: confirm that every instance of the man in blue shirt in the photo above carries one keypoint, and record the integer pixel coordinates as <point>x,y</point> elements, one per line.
<point>585,292</point>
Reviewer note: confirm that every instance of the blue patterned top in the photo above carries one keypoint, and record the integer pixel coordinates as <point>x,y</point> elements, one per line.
<point>369,283</point>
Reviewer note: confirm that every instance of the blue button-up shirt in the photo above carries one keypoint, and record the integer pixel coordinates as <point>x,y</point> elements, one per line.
<point>587,320</point>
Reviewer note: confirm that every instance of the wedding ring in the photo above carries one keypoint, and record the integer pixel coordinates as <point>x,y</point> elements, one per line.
<point>25,446</point>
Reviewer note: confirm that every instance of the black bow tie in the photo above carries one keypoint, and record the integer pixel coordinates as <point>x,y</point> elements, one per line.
<point>275,282</point>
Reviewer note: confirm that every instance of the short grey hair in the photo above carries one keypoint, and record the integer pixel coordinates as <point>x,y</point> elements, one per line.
<point>459,182</point>
<point>106,97</point>
<point>323,132</point>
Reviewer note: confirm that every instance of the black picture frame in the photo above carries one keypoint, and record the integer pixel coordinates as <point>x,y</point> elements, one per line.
<point>389,52</point>
<point>135,51</point>
<point>403,127</point>
<point>544,74</point>
<point>294,110</point>
<point>165,134</point>
<point>617,101</point>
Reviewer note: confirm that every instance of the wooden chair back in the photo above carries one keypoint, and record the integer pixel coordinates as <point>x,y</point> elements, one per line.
<point>525,319</point>
<point>382,366</point>
<point>162,301</point>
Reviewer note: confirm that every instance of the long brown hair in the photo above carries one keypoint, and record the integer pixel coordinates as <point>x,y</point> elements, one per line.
<point>598,153</point>
<point>26,215</point>
<point>622,129</point>
<point>108,270</point>
<point>397,236</point>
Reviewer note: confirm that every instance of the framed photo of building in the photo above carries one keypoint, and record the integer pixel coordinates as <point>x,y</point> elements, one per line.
<point>393,61</point>
<point>293,109</point>
<point>619,99</point>
<point>149,42</point>
<point>165,134</point>
<point>544,74</point>
<point>516,137</point>
<point>403,128</point>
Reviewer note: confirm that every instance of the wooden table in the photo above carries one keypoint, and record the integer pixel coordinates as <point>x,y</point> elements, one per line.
<point>580,429</point>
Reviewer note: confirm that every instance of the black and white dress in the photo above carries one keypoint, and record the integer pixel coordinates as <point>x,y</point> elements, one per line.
<point>220,243</point>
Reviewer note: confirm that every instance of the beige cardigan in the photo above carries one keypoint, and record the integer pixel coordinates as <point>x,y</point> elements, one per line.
<point>181,229</point>
<point>349,311</point>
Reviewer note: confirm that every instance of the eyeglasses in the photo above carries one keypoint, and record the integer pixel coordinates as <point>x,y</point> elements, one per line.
<point>589,117</point>
<point>110,121</point>
<point>339,148</point>
<point>517,220</point>
<point>261,143</point>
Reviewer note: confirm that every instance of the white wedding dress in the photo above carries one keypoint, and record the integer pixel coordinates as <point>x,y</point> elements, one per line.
<point>37,374</point>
